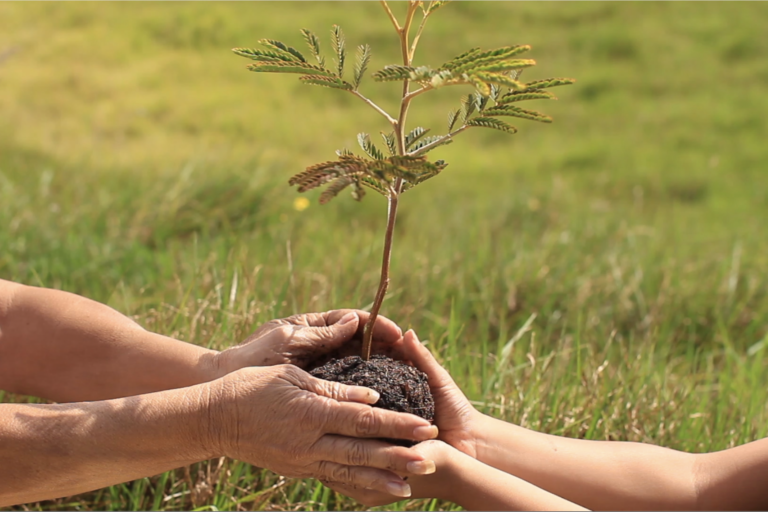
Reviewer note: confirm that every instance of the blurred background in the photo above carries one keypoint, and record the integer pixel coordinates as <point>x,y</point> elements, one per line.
<point>604,276</point>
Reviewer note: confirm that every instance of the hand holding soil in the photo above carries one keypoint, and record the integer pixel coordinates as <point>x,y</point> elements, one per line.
<point>283,419</point>
<point>309,340</point>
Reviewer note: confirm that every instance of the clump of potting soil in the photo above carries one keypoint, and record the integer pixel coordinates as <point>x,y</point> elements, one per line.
<point>403,388</point>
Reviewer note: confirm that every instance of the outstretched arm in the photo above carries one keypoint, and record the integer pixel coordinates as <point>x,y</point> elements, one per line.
<point>467,482</point>
<point>597,474</point>
<point>64,347</point>
<point>276,417</point>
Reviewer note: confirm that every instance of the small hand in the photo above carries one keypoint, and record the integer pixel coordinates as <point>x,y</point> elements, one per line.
<point>454,415</point>
<point>283,419</point>
<point>309,340</point>
<point>431,485</point>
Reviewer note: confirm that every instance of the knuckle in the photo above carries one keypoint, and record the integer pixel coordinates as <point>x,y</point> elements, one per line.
<point>341,473</point>
<point>365,422</point>
<point>357,454</point>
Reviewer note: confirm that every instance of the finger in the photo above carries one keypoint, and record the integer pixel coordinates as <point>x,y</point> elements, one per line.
<point>423,359</point>
<point>335,390</point>
<point>324,339</point>
<point>374,454</point>
<point>385,331</point>
<point>356,420</point>
<point>366,478</point>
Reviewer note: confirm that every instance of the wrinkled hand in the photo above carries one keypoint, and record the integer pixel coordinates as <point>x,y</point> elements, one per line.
<point>283,419</point>
<point>309,340</point>
<point>426,486</point>
<point>454,415</point>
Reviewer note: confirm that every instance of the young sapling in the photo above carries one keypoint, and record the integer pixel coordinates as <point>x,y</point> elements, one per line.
<point>494,76</point>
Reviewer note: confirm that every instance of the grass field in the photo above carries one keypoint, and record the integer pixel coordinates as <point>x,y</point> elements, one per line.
<point>142,166</point>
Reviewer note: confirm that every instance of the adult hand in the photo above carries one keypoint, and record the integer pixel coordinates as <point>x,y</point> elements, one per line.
<point>309,340</point>
<point>283,419</point>
<point>426,486</point>
<point>454,415</point>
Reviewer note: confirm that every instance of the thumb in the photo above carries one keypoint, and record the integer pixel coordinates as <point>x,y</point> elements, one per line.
<point>423,359</point>
<point>332,336</point>
<point>339,392</point>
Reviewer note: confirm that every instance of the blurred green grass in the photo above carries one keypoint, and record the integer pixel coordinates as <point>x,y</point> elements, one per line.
<point>142,166</point>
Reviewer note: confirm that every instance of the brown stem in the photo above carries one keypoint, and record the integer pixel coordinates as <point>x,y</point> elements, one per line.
<point>384,282</point>
<point>398,186</point>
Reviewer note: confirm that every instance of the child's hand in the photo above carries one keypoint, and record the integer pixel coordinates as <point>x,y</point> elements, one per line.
<point>432,485</point>
<point>454,415</point>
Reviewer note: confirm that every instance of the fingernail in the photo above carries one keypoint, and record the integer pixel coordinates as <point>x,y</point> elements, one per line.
<point>400,489</point>
<point>361,394</point>
<point>424,433</point>
<point>421,467</point>
<point>349,317</point>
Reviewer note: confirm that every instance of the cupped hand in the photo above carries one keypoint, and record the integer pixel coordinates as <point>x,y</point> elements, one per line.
<point>311,339</point>
<point>431,485</point>
<point>283,419</point>
<point>456,418</point>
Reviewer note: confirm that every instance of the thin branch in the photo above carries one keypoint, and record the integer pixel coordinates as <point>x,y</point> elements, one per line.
<point>439,141</point>
<point>400,128</point>
<point>418,34</point>
<point>415,93</point>
<point>391,16</point>
<point>377,108</point>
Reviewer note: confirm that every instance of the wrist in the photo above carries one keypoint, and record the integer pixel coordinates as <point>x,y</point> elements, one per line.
<point>481,429</point>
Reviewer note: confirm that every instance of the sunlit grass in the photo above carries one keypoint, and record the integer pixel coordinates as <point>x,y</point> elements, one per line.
<point>142,166</point>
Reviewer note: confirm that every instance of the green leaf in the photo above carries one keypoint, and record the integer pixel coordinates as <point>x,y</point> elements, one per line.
<point>512,111</point>
<point>483,88</point>
<point>512,97</point>
<point>453,116</point>
<point>393,72</point>
<point>313,42</point>
<point>335,187</point>
<point>469,105</point>
<point>459,59</point>
<point>422,74</point>
<point>344,152</point>
<point>431,140</point>
<point>262,55</point>
<point>322,173</point>
<point>370,149</point>
<point>358,192</point>
<point>389,140</point>
<point>363,58</point>
<point>490,122</point>
<point>549,82</point>
<point>338,42</point>
<point>433,6</point>
<point>499,79</point>
<point>477,59</point>
<point>376,185</point>
<point>280,47</point>
<point>504,66</point>
<point>415,135</point>
<point>440,77</point>
<point>326,81</point>
<point>289,67</point>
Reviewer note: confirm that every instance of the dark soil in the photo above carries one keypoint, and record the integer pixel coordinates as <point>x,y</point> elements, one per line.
<point>403,388</point>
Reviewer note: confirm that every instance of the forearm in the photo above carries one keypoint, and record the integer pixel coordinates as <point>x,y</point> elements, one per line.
<point>477,486</point>
<point>597,474</point>
<point>49,451</point>
<point>64,347</point>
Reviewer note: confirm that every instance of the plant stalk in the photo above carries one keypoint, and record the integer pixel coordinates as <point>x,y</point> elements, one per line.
<point>384,281</point>
<point>394,195</point>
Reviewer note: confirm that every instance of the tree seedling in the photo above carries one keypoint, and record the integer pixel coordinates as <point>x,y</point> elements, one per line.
<point>493,75</point>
